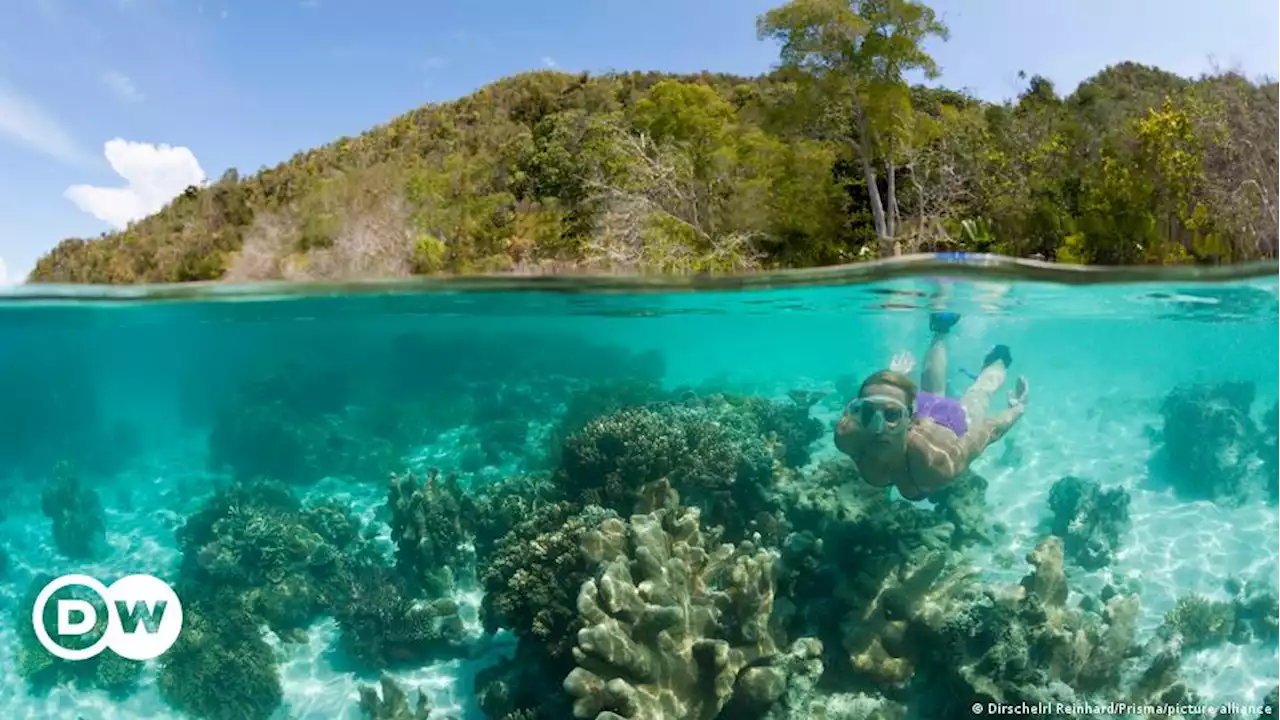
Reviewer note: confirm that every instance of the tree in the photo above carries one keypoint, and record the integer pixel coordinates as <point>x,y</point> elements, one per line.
<point>860,52</point>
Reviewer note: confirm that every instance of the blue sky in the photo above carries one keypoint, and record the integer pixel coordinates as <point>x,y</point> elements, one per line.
<point>235,83</point>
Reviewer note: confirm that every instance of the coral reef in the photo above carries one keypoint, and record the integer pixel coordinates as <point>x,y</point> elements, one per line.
<point>963,505</point>
<point>670,620</point>
<point>1026,644</point>
<point>384,625</point>
<point>1251,614</point>
<point>220,668</point>
<point>79,527</point>
<point>876,632</point>
<point>427,525</point>
<point>1089,520</point>
<point>393,703</point>
<point>532,582</point>
<point>1200,622</point>
<point>614,461</point>
<point>257,547</point>
<point>42,670</point>
<point>1209,441</point>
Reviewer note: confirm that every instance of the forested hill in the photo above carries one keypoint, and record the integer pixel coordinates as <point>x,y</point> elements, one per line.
<point>642,172</point>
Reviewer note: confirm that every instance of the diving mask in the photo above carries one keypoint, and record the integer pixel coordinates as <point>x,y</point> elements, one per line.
<point>879,412</point>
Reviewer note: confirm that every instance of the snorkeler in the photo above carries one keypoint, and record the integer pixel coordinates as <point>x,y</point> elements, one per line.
<point>922,440</point>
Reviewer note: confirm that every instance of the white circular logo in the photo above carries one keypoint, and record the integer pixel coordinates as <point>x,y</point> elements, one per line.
<point>144,617</point>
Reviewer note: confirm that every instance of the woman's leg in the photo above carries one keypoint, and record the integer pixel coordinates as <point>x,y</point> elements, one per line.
<point>933,376</point>
<point>977,399</point>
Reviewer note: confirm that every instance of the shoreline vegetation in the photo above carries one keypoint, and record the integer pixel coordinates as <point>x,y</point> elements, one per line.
<point>831,158</point>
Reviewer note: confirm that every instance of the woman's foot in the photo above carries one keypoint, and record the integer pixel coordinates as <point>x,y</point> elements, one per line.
<point>1001,353</point>
<point>940,323</point>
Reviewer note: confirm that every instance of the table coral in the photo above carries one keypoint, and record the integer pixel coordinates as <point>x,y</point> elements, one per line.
<point>669,621</point>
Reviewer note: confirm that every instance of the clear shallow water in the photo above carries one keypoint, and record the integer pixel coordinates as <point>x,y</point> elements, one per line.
<point>152,408</point>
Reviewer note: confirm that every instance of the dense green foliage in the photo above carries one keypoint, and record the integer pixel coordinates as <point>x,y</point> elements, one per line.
<point>831,158</point>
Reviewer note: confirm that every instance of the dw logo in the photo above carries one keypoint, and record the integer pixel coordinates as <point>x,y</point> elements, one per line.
<point>144,617</point>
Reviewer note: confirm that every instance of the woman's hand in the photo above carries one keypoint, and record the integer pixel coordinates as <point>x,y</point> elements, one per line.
<point>1018,395</point>
<point>903,362</point>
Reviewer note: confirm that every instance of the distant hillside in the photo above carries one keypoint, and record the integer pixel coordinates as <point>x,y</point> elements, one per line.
<point>651,172</point>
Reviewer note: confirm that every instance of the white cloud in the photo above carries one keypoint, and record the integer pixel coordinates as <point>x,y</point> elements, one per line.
<point>26,123</point>
<point>153,174</point>
<point>4,273</point>
<point>434,63</point>
<point>122,85</point>
<point>549,62</point>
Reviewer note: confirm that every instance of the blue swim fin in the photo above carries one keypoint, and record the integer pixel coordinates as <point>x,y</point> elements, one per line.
<point>942,322</point>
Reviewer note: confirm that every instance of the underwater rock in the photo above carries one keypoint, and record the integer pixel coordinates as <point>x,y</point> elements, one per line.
<point>1089,520</point>
<point>669,621</point>
<point>1209,441</point>
<point>79,528</point>
<point>393,704</point>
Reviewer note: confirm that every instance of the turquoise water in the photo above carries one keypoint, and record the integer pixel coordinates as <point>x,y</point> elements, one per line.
<point>553,452</point>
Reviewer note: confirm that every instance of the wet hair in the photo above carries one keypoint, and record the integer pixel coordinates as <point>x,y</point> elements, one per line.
<point>892,379</point>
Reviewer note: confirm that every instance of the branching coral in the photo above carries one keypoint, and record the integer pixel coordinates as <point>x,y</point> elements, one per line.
<point>220,668</point>
<point>256,546</point>
<point>614,460</point>
<point>1209,440</point>
<point>78,524</point>
<point>428,527</point>
<point>393,704</point>
<point>1200,622</point>
<point>383,625</point>
<point>669,621</point>
<point>532,583</point>
<point>1090,520</point>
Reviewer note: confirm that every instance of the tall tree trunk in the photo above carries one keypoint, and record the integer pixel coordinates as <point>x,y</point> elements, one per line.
<point>864,145</point>
<point>891,211</point>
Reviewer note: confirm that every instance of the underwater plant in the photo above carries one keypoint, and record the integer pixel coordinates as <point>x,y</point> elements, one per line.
<point>79,527</point>
<point>42,669</point>
<point>1089,520</point>
<point>1209,440</point>
<point>1252,613</point>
